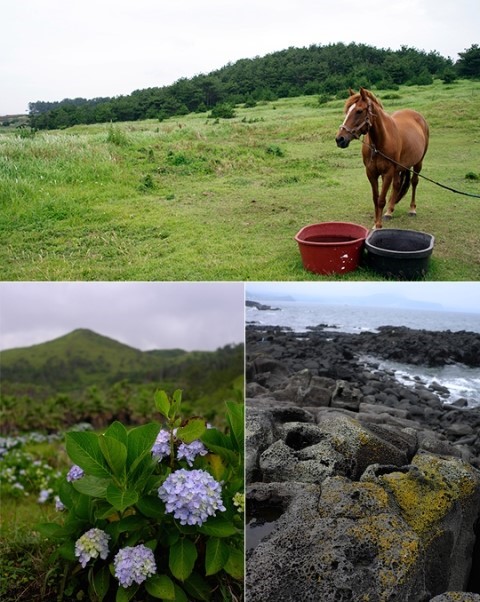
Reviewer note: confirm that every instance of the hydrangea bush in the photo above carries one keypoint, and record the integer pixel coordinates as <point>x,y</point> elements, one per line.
<point>21,474</point>
<point>155,511</point>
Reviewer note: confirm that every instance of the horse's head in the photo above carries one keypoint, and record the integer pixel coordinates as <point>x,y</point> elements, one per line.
<point>358,117</point>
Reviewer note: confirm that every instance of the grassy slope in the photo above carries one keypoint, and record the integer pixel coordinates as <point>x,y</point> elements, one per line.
<point>190,199</point>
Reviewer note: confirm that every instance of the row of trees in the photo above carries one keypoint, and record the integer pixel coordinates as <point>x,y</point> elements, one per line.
<point>43,399</point>
<point>326,70</point>
<point>76,371</point>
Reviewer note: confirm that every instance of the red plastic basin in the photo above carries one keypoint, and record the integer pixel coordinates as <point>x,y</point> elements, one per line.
<point>331,247</point>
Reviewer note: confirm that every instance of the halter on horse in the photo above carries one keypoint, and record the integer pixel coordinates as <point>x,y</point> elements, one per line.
<point>393,144</point>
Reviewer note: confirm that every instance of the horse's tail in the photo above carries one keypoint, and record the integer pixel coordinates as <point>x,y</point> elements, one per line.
<point>404,184</point>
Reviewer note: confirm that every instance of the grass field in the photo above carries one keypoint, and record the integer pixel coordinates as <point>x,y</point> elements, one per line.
<point>198,199</point>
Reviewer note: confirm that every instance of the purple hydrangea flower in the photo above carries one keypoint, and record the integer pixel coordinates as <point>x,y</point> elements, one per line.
<point>75,473</point>
<point>92,544</point>
<point>192,496</point>
<point>44,495</point>
<point>134,565</point>
<point>190,451</point>
<point>161,447</point>
<point>59,505</point>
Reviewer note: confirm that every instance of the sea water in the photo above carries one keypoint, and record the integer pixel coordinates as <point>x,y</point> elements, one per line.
<point>460,380</point>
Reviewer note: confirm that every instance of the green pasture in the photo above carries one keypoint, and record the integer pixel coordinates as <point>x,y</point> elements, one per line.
<point>194,198</point>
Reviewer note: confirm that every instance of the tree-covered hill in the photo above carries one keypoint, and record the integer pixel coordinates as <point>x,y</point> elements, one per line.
<point>84,376</point>
<point>324,70</point>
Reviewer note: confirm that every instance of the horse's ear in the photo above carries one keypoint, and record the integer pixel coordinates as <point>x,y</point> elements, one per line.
<point>351,92</point>
<point>363,93</point>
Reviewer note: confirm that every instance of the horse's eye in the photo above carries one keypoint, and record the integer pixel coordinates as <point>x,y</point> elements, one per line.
<point>359,111</point>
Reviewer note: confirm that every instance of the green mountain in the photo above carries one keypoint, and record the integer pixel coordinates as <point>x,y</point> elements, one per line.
<point>80,358</point>
<point>87,376</point>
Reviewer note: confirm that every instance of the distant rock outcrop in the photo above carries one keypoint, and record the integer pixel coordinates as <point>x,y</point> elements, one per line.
<point>260,306</point>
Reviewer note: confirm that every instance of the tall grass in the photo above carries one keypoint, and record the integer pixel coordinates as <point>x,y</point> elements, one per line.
<point>197,199</point>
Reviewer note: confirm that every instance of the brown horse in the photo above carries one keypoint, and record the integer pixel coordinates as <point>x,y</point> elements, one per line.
<point>393,144</point>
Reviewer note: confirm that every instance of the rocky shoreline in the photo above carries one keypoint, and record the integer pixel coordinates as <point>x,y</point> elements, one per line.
<point>363,489</point>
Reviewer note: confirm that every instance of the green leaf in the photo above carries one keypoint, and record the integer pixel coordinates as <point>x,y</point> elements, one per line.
<point>115,453</point>
<point>176,403</point>
<point>121,499</point>
<point>118,432</point>
<point>151,506</point>
<point>140,443</point>
<point>162,403</point>
<point>193,430</point>
<point>182,557</point>
<point>216,555</point>
<point>197,587</point>
<point>235,563</point>
<point>67,493</point>
<point>84,450</point>
<point>67,551</point>
<point>51,530</point>
<point>101,582</point>
<point>213,437</point>
<point>236,421</point>
<point>104,510</point>
<point>125,594</point>
<point>231,457</point>
<point>180,595</point>
<point>92,486</point>
<point>217,526</point>
<point>160,586</point>
<point>130,523</point>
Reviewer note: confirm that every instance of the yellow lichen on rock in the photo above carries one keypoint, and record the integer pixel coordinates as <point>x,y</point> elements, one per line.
<point>426,495</point>
<point>397,550</point>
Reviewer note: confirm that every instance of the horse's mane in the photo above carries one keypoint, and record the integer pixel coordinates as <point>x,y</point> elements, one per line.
<point>355,98</point>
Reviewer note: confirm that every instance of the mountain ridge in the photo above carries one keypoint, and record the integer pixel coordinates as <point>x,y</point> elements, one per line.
<point>83,357</point>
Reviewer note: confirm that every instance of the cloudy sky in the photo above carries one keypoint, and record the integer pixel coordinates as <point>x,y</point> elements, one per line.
<point>448,296</point>
<point>190,316</point>
<point>55,49</point>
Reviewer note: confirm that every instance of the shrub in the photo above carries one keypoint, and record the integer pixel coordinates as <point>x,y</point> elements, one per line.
<point>116,136</point>
<point>155,511</point>
<point>222,111</point>
<point>275,150</point>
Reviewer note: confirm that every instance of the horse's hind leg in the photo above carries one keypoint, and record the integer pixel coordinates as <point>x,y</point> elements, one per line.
<point>413,207</point>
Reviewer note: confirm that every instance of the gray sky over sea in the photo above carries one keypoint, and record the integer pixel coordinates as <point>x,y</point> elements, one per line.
<point>448,296</point>
<point>144,315</point>
<point>54,49</point>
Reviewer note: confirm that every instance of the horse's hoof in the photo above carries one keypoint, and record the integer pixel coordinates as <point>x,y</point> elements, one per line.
<point>386,217</point>
<point>412,213</point>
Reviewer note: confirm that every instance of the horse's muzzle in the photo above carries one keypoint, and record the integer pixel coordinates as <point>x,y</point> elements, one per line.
<point>342,142</point>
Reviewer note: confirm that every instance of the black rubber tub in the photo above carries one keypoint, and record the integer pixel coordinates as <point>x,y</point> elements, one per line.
<point>399,254</point>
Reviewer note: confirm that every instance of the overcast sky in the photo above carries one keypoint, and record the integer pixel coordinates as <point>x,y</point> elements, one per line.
<point>56,49</point>
<point>190,316</point>
<point>451,296</point>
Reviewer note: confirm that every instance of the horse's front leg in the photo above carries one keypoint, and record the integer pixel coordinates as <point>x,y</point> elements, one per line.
<point>373,179</point>
<point>382,200</point>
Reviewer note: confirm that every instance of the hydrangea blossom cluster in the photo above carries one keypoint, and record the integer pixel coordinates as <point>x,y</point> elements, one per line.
<point>92,544</point>
<point>75,473</point>
<point>161,447</point>
<point>190,451</point>
<point>192,496</point>
<point>239,502</point>
<point>134,564</point>
<point>59,505</point>
<point>44,495</point>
